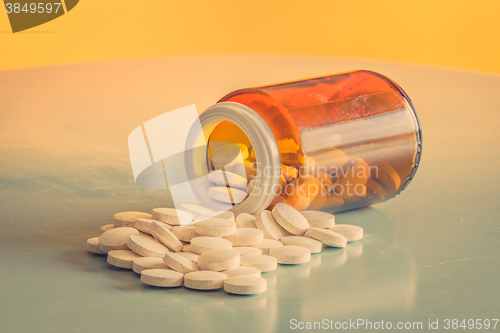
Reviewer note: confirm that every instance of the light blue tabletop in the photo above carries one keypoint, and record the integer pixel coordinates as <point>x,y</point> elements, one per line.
<point>432,253</point>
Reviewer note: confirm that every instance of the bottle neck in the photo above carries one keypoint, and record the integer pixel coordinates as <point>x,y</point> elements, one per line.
<point>263,144</point>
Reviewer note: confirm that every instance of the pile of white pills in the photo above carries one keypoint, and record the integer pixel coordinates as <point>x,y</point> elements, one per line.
<point>217,250</point>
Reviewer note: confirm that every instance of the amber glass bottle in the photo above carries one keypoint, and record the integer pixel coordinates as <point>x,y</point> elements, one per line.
<point>331,143</point>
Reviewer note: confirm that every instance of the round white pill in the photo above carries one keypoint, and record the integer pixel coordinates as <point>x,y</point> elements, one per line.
<point>327,237</point>
<point>268,244</point>
<point>246,237</point>
<point>246,250</point>
<point>116,239</point>
<point>179,263</point>
<point>143,263</point>
<point>226,194</point>
<point>351,232</point>
<point>107,227</point>
<point>127,219</point>
<point>219,260</point>
<point>196,210</point>
<point>313,245</point>
<point>172,216</point>
<point>165,236</point>
<point>245,285</point>
<point>290,254</point>
<point>204,280</point>
<point>224,178</point>
<point>189,255</point>
<point>228,155</point>
<point>93,245</point>
<point>242,270</point>
<point>161,278</point>
<point>215,227</point>
<point>245,220</point>
<point>246,170</point>
<point>319,219</point>
<point>184,234</point>
<point>122,258</point>
<point>290,219</point>
<point>143,225</point>
<point>146,246</point>
<point>263,262</point>
<point>268,225</point>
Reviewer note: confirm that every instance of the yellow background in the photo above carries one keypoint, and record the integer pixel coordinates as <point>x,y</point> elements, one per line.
<point>450,33</point>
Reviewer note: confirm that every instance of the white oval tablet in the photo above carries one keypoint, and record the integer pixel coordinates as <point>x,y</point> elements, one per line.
<point>215,227</point>
<point>161,277</point>
<point>219,260</point>
<point>165,236</point>
<point>172,216</point>
<point>245,220</point>
<point>107,227</point>
<point>179,263</point>
<point>242,270</point>
<point>327,237</point>
<point>93,245</point>
<point>127,219</point>
<point>247,170</point>
<point>122,258</point>
<point>319,219</point>
<point>246,237</point>
<point>290,219</point>
<point>226,194</point>
<point>146,246</point>
<point>313,245</point>
<point>190,255</point>
<point>204,280</point>
<point>116,239</point>
<point>349,231</point>
<point>272,230</point>
<point>228,155</point>
<point>291,255</point>
<point>263,262</point>
<point>184,234</point>
<point>268,244</point>
<point>224,178</point>
<point>239,169</point>
<point>143,225</point>
<point>245,285</point>
<point>143,263</point>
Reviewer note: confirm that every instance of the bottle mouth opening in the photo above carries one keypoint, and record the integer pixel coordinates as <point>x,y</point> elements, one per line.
<point>264,148</point>
<point>418,141</point>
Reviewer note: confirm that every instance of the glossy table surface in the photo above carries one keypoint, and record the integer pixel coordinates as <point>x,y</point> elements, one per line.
<point>432,253</point>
